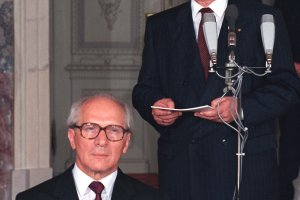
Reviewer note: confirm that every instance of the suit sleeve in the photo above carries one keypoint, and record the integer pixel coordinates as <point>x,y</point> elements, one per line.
<point>147,90</point>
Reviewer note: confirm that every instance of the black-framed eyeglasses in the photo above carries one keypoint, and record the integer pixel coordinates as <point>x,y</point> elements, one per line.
<point>90,131</point>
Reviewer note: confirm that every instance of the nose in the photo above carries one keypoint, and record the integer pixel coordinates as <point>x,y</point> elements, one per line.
<point>101,139</point>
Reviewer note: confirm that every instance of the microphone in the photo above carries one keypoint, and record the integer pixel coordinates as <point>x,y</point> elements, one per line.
<point>267,28</point>
<point>211,38</point>
<point>231,15</point>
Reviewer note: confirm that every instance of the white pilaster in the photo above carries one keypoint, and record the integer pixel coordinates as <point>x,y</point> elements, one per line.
<point>31,95</point>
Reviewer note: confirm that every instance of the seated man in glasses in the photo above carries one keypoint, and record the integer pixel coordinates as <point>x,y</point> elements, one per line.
<point>99,133</point>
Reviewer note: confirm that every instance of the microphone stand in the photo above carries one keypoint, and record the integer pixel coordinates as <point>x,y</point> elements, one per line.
<point>240,153</point>
<point>229,88</point>
<point>236,92</point>
<point>231,16</point>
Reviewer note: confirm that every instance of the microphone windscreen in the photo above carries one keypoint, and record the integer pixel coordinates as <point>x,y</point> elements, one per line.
<point>231,14</point>
<point>268,32</point>
<point>210,32</point>
<point>209,17</point>
<point>267,18</point>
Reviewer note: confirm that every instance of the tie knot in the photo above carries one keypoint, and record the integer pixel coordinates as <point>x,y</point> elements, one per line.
<point>205,10</point>
<point>97,187</point>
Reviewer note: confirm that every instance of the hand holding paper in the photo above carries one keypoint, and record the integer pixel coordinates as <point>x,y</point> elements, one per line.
<point>227,107</point>
<point>165,117</point>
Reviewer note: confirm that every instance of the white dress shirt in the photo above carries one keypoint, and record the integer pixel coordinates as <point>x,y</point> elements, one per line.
<point>82,182</point>
<point>218,7</point>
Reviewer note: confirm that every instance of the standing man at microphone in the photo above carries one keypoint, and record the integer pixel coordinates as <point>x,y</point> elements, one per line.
<point>197,151</point>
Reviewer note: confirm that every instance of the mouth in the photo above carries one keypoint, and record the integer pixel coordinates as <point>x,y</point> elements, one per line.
<point>100,155</point>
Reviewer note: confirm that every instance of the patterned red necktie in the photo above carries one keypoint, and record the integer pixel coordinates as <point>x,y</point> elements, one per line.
<point>97,187</point>
<point>204,54</point>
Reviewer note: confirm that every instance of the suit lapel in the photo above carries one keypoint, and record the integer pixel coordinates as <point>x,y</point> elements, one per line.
<point>65,188</point>
<point>122,188</point>
<point>186,53</point>
<point>215,84</point>
<point>61,187</point>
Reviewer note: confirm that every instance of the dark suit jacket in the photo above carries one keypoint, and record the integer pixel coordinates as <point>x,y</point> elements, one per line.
<point>196,157</point>
<point>62,187</point>
<point>290,10</point>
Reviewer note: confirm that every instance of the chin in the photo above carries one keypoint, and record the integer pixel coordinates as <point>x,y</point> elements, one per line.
<point>101,166</point>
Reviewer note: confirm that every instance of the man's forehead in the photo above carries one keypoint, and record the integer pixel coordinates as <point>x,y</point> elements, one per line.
<point>101,102</point>
<point>101,107</point>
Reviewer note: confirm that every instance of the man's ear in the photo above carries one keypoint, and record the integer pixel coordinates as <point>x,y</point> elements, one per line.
<point>71,137</point>
<point>127,142</point>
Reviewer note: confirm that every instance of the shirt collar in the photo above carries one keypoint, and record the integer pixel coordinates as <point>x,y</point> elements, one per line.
<point>218,6</point>
<point>82,181</point>
<point>109,182</point>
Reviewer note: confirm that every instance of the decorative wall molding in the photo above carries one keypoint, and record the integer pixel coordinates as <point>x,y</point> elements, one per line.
<point>110,11</point>
<point>90,35</point>
<point>102,68</point>
<point>172,3</point>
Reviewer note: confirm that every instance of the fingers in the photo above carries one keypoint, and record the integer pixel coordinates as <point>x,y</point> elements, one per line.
<point>209,115</point>
<point>216,116</point>
<point>224,109</point>
<point>167,120</point>
<point>297,67</point>
<point>164,114</point>
<point>165,117</point>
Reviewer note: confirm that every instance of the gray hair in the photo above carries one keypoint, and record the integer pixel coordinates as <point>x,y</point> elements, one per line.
<point>76,106</point>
